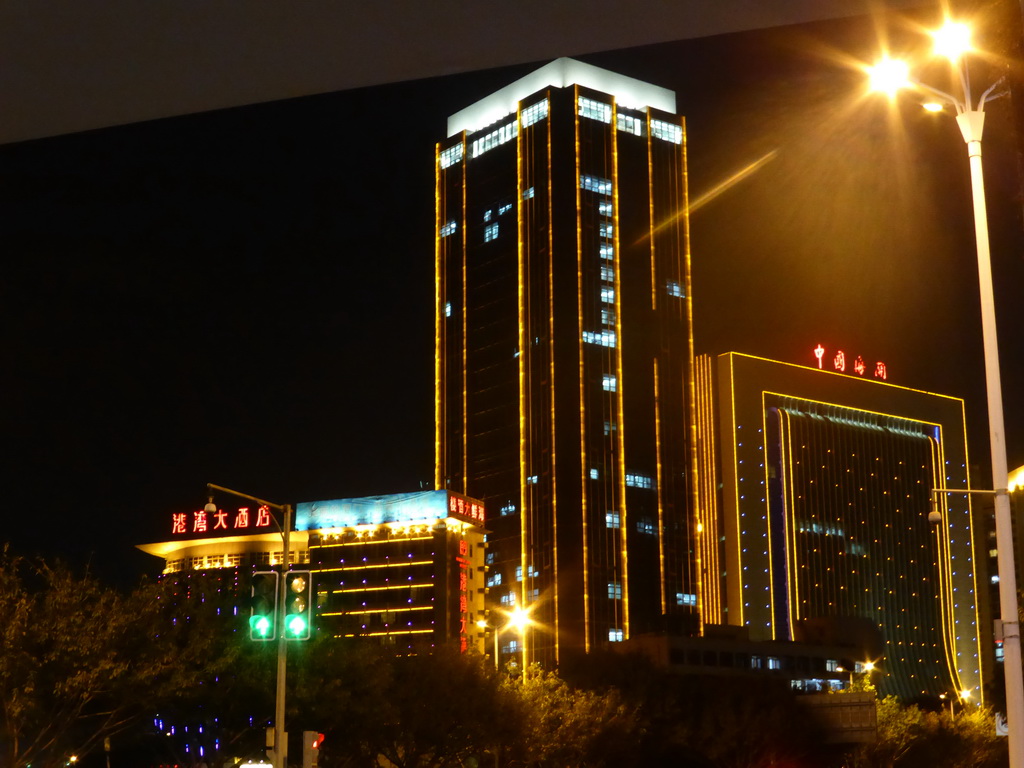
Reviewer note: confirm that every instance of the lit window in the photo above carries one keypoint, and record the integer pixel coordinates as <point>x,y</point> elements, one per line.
<point>629,124</point>
<point>995,578</point>
<point>645,525</point>
<point>615,635</point>
<point>519,573</point>
<point>675,289</point>
<point>604,338</point>
<point>512,646</point>
<point>596,184</point>
<point>534,113</point>
<point>608,274</point>
<point>508,509</point>
<point>448,309</point>
<point>607,251</point>
<point>452,155</point>
<point>502,210</point>
<point>605,208</point>
<point>609,383</point>
<point>449,228</point>
<point>609,427</point>
<point>757,662</point>
<point>605,230</point>
<point>612,520</point>
<point>608,317</point>
<point>509,598</point>
<point>831,665</point>
<point>488,214</point>
<point>527,194</point>
<point>685,599</point>
<point>607,294</point>
<point>494,580</point>
<point>614,590</point>
<point>667,131</point>
<point>491,232</point>
<point>774,662</point>
<point>595,110</point>
<point>489,558</point>
<point>532,480</point>
<point>594,474</point>
<point>639,481</point>
<point>495,138</point>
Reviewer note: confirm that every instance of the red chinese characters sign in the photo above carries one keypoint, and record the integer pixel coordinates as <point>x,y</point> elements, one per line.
<point>463,562</point>
<point>241,520</point>
<point>474,510</point>
<point>839,363</point>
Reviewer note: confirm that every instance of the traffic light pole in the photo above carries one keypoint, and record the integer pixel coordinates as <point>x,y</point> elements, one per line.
<point>280,740</point>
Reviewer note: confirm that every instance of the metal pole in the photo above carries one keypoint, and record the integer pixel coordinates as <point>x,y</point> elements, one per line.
<point>280,737</point>
<point>971,125</point>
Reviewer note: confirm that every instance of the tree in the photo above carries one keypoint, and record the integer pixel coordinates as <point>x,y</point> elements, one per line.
<point>80,662</point>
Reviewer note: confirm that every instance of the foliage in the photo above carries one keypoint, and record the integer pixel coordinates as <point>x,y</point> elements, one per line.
<point>910,737</point>
<point>80,662</point>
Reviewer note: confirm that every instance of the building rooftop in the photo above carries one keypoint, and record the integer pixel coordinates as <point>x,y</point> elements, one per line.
<point>560,73</point>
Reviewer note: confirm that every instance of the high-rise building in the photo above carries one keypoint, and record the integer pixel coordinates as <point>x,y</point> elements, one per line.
<point>828,480</point>
<point>564,351</point>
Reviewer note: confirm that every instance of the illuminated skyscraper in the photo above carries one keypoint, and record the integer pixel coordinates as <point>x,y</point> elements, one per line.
<point>564,352</point>
<point>828,480</point>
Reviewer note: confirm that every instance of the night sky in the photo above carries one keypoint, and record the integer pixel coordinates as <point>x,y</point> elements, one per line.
<point>245,297</point>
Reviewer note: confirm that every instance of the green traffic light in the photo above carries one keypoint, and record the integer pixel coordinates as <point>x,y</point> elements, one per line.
<point>296,624</point>
<point>261,625</point>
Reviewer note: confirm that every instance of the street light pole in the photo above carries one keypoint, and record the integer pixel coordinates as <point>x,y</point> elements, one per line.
<point>280,737</point>
<point>953,41</point>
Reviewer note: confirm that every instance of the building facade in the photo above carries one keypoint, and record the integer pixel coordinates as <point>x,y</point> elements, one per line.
<point>403,570</point>
<point>827,482</point>
<point>564,352</point>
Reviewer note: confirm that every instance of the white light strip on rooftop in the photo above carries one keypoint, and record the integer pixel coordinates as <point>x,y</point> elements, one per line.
<point>560,73</point>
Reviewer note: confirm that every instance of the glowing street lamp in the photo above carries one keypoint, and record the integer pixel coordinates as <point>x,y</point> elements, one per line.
<point>518,620</point>
<point>953,41</point>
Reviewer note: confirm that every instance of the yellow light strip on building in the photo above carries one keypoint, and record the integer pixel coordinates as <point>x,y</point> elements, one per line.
<point>380,589</point>
<point>582,378</point>
<point>364,542</point>
<point>691,393</point>
<point>650,205</point>
<point>660,487</point>
<point>384,634</point>
<point>379,610</point>
<point>620,433</point>
<point>974,570</point>
<point>439,324</point>
<point>736,573</point>
<point>551,387</point>
<point>402,564</point>
<point>525,352</point>
<point>465,331</point>
<point>787,512</point>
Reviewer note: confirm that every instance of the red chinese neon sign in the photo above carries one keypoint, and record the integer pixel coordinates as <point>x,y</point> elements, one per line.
<point>463,560</point>
<point>859,366</point>
<point>466,508</point>
<point>201,521</point>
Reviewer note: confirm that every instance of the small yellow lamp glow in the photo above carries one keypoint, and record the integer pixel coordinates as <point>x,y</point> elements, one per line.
<point>965,694</point>
<point>889,75</point>
<point>933,106</point>
<point>953,40</point>
<point>869,666</point>
<point>481,624</point>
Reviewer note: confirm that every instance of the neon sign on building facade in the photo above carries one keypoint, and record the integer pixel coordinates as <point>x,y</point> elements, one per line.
<point>839,363</point>
<point>243,519</point>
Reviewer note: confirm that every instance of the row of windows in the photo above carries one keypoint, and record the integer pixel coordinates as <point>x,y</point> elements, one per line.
<point>495,138</point>
<point>639,481</point>
<point>596,184</point>
<point>449,228</point>
<point>534,113</point>
<point>452,155</point>
<point>491,232</point>
<point>602,338</point>
<point>667,131</point>
<point>628,124</point>
<point>595,110</point>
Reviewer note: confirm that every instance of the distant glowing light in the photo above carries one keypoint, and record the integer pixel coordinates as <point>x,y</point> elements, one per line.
<point>933,106</point>
<point>889,75</point>
<point>953,40</point>
<point>819,352</point>
<point>839,361</point>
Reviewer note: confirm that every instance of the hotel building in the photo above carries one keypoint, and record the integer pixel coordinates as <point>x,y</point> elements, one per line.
<point>827,485</point>
<point>403,570</point>
<point>564,352</point>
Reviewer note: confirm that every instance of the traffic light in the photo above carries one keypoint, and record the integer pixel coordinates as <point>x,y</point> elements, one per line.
<point>298,605</point>
<point>311,741</point>
<point>263,606</point>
